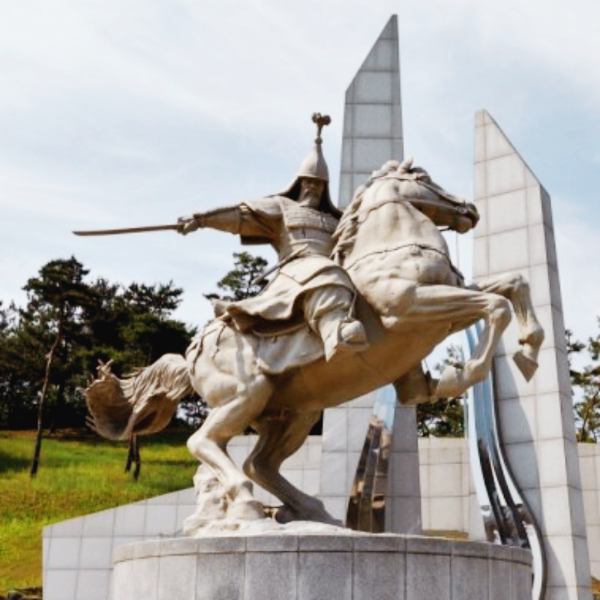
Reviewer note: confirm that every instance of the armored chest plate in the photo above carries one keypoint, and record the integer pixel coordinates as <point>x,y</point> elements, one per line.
<point>296,217</point>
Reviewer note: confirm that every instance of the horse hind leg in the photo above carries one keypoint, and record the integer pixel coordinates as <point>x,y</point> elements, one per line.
<point>279,438</point>
<point>515,288</point>
<point>209,444</point>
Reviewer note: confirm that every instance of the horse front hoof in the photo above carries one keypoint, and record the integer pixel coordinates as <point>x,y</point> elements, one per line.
<point>315,513</point>
<point>451,383</point>
<point>285,514</point>
<point>246,510</point>
<point>528,366</point>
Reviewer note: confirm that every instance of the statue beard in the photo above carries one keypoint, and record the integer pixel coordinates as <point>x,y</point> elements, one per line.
<point>310,199</point>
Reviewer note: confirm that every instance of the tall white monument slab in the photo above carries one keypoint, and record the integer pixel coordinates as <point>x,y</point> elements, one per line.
<point>372,135</point>
<point>516,234</point>
<point>372,114</point>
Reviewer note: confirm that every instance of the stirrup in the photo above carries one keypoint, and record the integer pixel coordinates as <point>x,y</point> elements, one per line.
<point>343,346</point>
<point>354,332</point>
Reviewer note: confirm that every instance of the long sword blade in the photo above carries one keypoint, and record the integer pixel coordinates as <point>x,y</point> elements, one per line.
<point>128,230</point>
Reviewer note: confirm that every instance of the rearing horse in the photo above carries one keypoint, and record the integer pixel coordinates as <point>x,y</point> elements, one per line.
<point>410,298</point>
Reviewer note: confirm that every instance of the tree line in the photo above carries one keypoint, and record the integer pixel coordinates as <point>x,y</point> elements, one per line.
<point>49,349</point>
<point>586,384</point>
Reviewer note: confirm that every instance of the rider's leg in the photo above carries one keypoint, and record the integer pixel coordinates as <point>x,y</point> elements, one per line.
<point>279,438</point>
<point>328,311</point>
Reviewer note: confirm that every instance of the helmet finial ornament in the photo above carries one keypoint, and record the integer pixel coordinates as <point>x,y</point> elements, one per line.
<point>320,120</point>
<point>315,167</point>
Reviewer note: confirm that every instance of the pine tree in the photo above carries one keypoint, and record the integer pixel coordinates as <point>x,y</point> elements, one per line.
<point>587,409</point>
<point>241,282</point>
<point>444,418</point>
<point>55,301</point>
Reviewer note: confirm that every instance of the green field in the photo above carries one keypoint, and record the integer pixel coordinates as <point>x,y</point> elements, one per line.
<point>79,474</point>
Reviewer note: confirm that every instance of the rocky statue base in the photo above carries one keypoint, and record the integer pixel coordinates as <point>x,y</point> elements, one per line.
<point>320,567</point>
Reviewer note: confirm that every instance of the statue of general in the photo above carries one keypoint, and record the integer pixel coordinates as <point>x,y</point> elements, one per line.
<point>308,286</point>
<point>274,362</point>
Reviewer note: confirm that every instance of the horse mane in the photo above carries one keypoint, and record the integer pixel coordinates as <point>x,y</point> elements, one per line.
<point>344,235</point>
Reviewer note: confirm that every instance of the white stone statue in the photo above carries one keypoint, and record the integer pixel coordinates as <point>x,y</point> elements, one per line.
<point>355,305</point>
<point>308,286</point>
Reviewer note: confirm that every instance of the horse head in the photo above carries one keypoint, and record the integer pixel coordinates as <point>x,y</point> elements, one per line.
<point>392,187</point>
<point>421,191</point>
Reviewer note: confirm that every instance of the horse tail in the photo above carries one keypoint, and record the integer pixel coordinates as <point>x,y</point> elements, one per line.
<point>141,404</point>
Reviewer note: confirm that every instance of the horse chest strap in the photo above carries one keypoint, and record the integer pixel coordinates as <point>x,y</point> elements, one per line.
<point>414,250</point>
<point>363,214</point>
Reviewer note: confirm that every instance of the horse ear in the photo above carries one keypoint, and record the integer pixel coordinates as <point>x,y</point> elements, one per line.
<point>406,164</point>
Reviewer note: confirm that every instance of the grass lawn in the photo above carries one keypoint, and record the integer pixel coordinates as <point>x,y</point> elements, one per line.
<point>79,474</point>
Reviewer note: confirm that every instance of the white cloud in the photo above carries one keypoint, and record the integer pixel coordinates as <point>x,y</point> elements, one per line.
<point>124,113</point>
<point>578,246</point>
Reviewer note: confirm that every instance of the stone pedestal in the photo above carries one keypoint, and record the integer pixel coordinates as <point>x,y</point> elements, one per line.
<point>315,567</point>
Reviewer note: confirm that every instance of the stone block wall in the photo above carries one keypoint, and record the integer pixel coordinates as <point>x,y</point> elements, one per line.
<point>78,552</point>
<point>589,464</point>
<point>445,484</point>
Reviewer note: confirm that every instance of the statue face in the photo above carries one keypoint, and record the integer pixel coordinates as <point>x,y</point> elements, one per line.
<point>311,192</point>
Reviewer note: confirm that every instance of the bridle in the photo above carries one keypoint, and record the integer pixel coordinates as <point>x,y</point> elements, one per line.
<point>459,207</point>
<point>359,215</point>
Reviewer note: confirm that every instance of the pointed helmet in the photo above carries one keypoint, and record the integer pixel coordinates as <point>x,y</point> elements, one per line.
<point>314,167</point>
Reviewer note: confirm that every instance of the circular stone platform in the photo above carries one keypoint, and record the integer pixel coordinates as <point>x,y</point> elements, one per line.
<point>320,567</point>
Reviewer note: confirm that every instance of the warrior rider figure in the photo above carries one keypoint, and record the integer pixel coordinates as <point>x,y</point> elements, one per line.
<point>308,286</point>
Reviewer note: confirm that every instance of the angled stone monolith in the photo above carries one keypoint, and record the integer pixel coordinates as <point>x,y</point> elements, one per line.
<point>372,135</point>
<point>536,419</point>
<point>372,114</point>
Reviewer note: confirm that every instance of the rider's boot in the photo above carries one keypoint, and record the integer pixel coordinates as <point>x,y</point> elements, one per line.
<point>341,335</point>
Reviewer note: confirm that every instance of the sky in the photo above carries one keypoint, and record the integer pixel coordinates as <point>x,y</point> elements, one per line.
<point>122,113</point>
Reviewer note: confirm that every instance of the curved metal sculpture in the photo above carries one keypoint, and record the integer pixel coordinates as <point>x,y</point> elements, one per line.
<point>507,519</point>
<point>367,502</point>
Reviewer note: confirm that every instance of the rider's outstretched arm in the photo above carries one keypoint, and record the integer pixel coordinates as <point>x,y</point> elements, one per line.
<point>256,218</point>
<point>225,219</point>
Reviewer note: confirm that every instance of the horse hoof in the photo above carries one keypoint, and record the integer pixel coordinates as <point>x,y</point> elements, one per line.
<point>246,510</point>
<point>285,514</point>
<point>451,383</point>
<point>526,365</point>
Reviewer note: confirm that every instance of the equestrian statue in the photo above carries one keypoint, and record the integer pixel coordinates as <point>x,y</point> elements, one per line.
<point>357,301</point>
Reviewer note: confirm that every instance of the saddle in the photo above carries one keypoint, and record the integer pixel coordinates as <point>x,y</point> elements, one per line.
<point>282,345</point>
<point>279,350</point>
